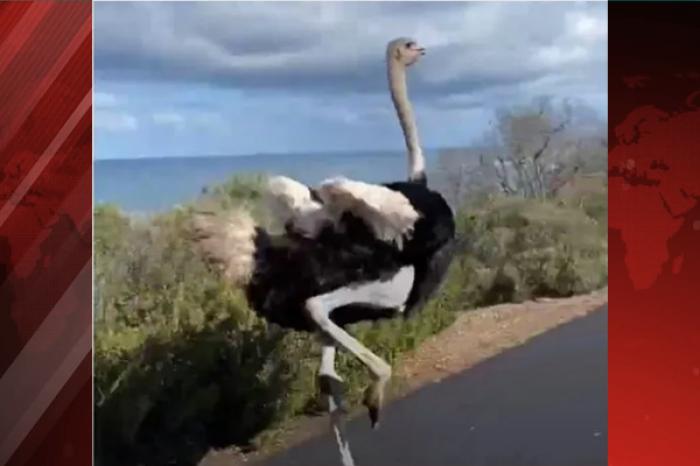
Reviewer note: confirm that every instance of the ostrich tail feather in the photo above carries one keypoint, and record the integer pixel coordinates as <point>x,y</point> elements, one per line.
<point>227,239</point>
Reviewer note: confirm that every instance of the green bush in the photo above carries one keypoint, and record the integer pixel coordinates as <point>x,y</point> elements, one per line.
<point>182,363</point>
<point>522,248</point>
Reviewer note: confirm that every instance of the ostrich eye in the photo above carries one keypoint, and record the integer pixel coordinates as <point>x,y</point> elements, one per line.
<point>409,45</point>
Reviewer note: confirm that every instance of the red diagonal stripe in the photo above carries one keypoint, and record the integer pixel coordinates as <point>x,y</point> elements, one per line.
<point>72,159</point>
<point>36,376</point>
<point>45,158</point>
<point>65,425</point>
<point>21,32</point>
<point>39,91</point>
<point>82,318</point>
<point>45,169</point>
<point>37,55</point>
<point>10,14</point>
<point>66,263</point>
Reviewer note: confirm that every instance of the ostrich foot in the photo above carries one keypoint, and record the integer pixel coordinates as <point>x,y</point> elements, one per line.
<point>374,400</point>
<point>332,386</point>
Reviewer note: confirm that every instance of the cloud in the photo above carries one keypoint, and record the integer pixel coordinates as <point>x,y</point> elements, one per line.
<point>247,77</point>
<point>186,118</point>
<point>172,119</point>
<point>586,26</point>
<point>104,100</point>
<point>110,114</point>
<point>334,47</point>
<point>208,120</point>
<point>115,121</point>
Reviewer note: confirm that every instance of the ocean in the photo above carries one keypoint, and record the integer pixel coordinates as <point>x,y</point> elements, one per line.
<point>148,185</point>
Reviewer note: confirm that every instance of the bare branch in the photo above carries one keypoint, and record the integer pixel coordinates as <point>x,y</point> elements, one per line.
<point>538,153</point>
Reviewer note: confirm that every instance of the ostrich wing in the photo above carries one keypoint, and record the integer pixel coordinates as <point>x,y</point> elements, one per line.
<point>292,204</point>
<point>388,213</point>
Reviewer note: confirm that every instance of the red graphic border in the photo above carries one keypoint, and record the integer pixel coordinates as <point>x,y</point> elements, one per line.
<point>654,211</point>
<point>45,233</point>
<point>45,230</point>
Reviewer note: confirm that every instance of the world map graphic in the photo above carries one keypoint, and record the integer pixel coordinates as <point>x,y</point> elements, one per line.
<point>654,198</point>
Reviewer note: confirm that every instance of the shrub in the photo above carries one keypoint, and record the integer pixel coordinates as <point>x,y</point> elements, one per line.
<point>524,248</point>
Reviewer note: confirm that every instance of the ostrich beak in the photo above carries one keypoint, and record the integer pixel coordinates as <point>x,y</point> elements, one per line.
<point>422,50</point>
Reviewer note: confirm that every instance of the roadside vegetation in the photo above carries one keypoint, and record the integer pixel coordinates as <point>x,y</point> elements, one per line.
<point>182,364</point>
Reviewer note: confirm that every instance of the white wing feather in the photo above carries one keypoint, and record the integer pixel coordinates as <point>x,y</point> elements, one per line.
<point>388,213</point>
<point>291,203</point>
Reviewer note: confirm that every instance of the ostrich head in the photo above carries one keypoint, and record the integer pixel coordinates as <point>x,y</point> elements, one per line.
<point>404,51</point>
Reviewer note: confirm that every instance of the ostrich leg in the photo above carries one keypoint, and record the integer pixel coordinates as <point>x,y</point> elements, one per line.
<point>329,381</point>
<point>391,293</point>
<point>331,387</point>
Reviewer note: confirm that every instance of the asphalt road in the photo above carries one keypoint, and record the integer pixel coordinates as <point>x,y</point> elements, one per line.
<point>541,404</point>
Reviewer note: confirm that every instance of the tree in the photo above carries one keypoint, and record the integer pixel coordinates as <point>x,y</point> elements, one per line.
<point>530,151</point>
<point>533,156</point>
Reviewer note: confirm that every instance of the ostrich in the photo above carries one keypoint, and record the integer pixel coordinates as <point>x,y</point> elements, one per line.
<point>350,252</point>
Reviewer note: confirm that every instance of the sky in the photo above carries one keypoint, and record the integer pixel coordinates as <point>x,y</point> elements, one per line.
<point>220,78</point>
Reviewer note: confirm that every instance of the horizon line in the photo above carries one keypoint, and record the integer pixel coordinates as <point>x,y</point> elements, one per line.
<point>257,154</point>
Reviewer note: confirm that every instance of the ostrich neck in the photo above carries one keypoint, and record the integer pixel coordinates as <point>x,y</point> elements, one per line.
<point>399,95</point>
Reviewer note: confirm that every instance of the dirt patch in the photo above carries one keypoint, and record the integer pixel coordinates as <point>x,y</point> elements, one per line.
<point>475,336</point>
<point>484,333</point>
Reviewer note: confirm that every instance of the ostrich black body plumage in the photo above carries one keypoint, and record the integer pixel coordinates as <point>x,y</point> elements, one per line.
<point>291,269</point>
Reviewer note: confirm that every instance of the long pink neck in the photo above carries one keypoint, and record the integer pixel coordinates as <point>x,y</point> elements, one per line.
<point>399,95</point>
